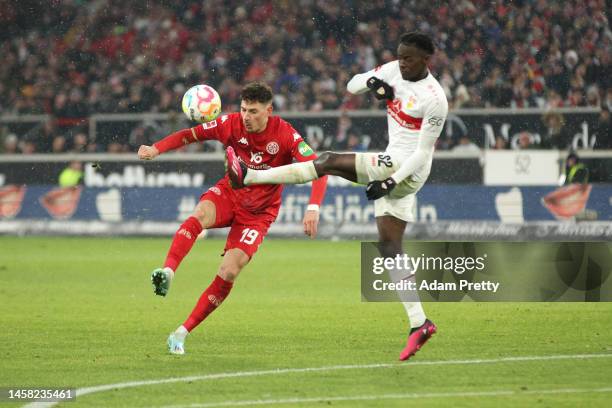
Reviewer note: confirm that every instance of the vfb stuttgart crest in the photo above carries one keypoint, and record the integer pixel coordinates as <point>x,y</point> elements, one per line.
<point>272,148</point>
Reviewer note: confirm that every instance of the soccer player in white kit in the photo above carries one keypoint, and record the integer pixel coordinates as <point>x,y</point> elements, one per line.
<point>416,111</point>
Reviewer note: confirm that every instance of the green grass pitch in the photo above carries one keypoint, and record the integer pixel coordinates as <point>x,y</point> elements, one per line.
<point>81,312</point>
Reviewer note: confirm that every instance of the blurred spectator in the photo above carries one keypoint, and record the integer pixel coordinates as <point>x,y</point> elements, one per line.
<point>10,144</point>
<point>556,137</point>
<point>72,175</point>
<point>603,131</point>
<point>117,57</point>
<point>59,144</point>
<point>500,143</point>
<point>525,141</point>
<point>72,60</point>
<point>575,170</point>
<point>79,143</point>
<point>44,135</point>
<point>465,145</point>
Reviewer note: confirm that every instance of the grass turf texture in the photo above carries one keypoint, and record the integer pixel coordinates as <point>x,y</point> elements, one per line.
<point>81,312</point>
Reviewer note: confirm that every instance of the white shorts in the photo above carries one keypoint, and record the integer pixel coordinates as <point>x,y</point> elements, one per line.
<point>379,166</point>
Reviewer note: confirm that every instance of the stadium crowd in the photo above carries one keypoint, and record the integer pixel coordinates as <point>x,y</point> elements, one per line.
<point>83,57</point>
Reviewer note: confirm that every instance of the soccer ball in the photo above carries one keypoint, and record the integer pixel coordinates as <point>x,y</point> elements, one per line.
<point>201,103</point>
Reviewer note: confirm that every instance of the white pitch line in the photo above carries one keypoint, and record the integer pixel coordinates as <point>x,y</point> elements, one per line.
<point>499,393</point>
<point>131,384</point>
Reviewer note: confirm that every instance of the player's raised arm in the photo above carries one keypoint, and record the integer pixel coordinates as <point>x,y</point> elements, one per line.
<point>205,131</point>
<point>374,80</point>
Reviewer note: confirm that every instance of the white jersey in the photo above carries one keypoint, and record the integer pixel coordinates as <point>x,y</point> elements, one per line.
<point>417,112</point>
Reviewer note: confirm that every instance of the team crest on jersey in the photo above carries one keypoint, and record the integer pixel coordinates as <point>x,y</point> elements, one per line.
<point>215,190</point>
<point>272,148</point>
<point>411,102</point>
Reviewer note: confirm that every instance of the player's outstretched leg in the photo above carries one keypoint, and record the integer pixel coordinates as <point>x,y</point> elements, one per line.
<point>329,163</point>
<point>417,338</point>
<point>184,238</point>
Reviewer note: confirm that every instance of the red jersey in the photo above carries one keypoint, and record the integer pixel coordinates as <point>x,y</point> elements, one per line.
<point>279,144</point>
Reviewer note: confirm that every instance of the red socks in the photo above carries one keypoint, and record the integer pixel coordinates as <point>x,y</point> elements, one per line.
<point>182,242</point>
<point>212,297</point>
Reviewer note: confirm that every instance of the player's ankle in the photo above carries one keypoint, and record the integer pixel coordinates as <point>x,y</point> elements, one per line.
<point>181,332</point>
<point>170,271</point>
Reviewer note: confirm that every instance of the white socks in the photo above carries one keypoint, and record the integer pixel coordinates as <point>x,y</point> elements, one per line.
<point>296,173</point>
<point>180,333</point>
<point>414,309</point>
<point>410,299</point>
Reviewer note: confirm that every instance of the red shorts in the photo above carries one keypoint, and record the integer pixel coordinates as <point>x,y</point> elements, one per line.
<point>247,230</point>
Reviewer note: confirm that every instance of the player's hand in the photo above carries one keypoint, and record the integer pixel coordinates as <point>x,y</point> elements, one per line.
<point>380,188</point>
<point>381,89</point>
<point>147,152</point>
<point>311,221</point>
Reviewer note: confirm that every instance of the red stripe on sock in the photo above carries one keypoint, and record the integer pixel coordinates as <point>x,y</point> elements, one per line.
<point>211,298</point>
<point>183,240</point>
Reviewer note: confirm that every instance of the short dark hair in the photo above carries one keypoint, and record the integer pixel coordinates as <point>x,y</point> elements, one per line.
<point>420,40</point>
<point>256,92</point>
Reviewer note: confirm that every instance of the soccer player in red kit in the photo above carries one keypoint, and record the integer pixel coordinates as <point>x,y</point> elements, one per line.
<point>261,141</point>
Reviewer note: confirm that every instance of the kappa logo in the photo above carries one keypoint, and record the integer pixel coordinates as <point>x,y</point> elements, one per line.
<point>256,157</point>
<point>272,148</point>
<point>296,136</point>
<point>61,202</point>
<point>223,118</point>
<point>11,198</point>
<point>243,141</point>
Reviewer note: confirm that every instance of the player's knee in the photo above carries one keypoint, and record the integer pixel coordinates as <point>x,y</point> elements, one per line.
<point>325,162</point>
<point>229,272</point>
<point>390,248</point>
<point>205,215</point>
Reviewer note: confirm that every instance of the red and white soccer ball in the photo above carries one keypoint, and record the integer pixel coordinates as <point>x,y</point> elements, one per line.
<point>201,103</point>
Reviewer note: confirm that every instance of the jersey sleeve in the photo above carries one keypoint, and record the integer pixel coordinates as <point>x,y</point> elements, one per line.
<point>214,130</point>
<point>302,152</point>
<point>433,122</point>
<point>357,84</point>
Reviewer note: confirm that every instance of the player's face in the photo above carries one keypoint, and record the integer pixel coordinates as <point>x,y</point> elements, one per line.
<point>255,115</point>
<point>412,62</point>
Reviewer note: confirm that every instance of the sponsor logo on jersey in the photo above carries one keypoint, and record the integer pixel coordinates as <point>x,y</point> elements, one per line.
<point>272,148</point>
<point>243,141</point>
<point>394,109</point>
<point>256,157</point>
<point>223,118</point>
<point>209,125</point>
<point>215,190</point>
<point>435,121</point>
<point>296,136</point>
<point>304,149</point>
